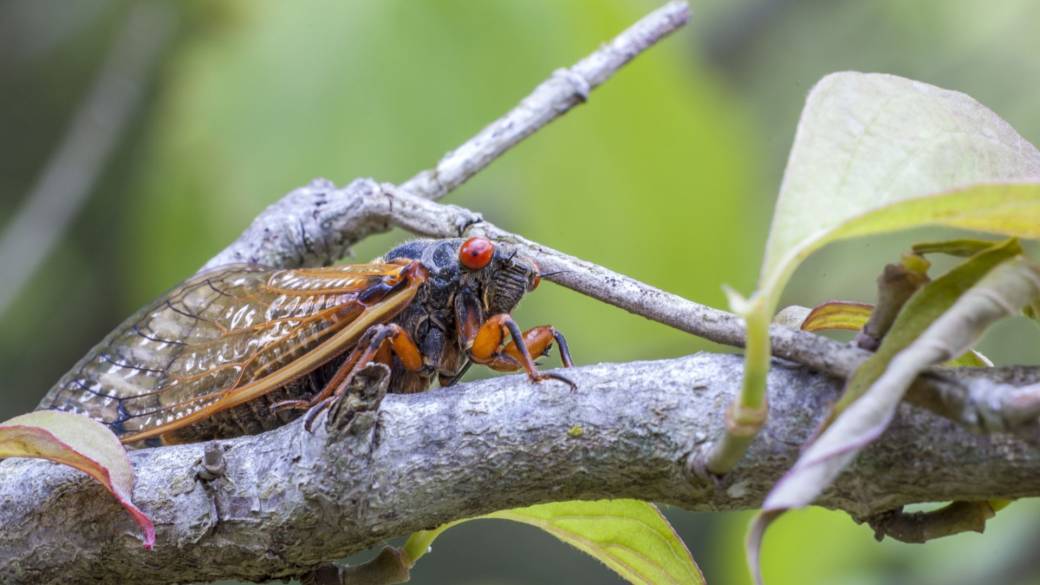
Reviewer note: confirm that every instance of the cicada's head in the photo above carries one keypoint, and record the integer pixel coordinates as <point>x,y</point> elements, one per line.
<point>505,275</point>
<point>496,272</point>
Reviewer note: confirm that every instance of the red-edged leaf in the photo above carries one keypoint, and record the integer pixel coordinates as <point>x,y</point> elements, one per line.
<point>79,442</point>
<point>840,315</point>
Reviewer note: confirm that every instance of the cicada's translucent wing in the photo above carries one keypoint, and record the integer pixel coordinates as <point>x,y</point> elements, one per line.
<point>222,338</point>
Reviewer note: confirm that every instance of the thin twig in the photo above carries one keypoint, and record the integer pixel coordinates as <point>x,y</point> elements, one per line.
<point>555,97</point>
<point>920,527</point>
<point>69,177</point>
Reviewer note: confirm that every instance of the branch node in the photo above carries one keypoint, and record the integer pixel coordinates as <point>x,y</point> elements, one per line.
<point>745,422</point>
<point>895,285</point>
<point>467,220</point>
<point>695,469</point>
<point>321,184</point>
<point>212,464</point>
<point>580,86</point>
<point>920,527</point>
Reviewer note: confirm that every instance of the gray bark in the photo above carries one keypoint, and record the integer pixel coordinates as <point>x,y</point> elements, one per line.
<point>290,500</point>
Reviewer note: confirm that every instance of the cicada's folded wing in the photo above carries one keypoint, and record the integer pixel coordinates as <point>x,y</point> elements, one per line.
<point>223,338</point>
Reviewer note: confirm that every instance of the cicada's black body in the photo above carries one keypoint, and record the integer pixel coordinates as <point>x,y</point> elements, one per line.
<point>222,353</point>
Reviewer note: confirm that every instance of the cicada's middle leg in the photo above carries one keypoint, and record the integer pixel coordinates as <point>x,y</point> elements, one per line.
<point>378,344</point>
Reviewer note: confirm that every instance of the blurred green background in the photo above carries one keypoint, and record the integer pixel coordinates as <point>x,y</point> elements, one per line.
<point>668,174</point>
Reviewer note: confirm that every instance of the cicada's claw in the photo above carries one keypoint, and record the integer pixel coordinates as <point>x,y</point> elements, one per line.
<point>285,405</point>
<point>316,409</point>
<point>540,376</point>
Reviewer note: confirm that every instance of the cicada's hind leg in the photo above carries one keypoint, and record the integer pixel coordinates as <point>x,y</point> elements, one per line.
<point>378,344</point>
<point>485,347</point>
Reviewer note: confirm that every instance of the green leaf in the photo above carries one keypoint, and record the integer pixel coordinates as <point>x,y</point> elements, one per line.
<point>630,536</point>
<point>923,308</point>
<point>962,247</point>
<point>80,442</point>
<point>876,153</point>
<point>970,359</point>
<point>1003,291</point>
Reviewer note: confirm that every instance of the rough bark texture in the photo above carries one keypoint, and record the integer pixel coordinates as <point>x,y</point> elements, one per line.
<point>290,499</point>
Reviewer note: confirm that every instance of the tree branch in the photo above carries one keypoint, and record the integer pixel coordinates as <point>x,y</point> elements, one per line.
<point>289,499</point>
<point>556,96</point>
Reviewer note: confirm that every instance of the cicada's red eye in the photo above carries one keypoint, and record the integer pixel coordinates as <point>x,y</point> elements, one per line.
<point>476,252</point>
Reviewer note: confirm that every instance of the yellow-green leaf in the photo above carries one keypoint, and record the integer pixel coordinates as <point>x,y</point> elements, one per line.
<point>964,247</point>
<point>80,442</point>
<point>840,315</point>
<point>630,536</point>
<point>852,316</point>
<point>970,359</point>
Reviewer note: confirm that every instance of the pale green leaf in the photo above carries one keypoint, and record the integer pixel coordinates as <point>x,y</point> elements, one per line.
<point>79,442</point>
<point>630,536</point>
<point>875,153</point>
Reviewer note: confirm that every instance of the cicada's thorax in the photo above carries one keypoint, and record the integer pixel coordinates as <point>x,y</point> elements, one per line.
<point>431,317</point>
<point>453,294</point>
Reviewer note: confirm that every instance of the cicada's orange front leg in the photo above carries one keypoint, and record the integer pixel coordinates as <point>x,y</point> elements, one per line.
<point>485,347</point>
<point>379,344</point>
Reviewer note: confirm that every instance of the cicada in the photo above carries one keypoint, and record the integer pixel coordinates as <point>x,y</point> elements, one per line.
<point>243,348</point>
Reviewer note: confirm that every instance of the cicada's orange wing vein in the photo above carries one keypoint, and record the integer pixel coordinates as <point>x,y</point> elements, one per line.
<point>222,339</point>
